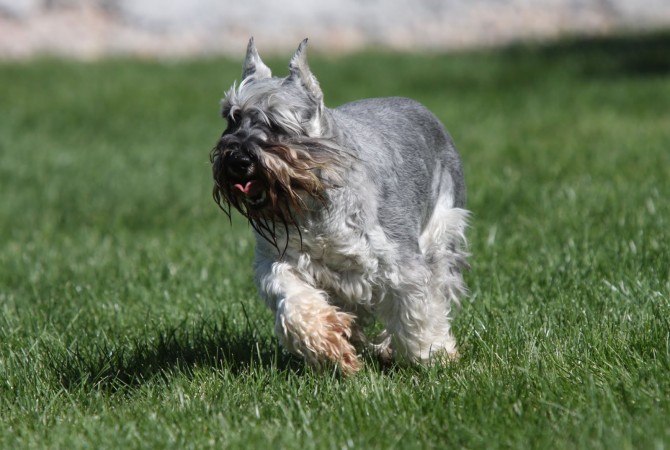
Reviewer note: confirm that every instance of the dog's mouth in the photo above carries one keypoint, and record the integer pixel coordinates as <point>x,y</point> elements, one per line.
<point>252,192</point>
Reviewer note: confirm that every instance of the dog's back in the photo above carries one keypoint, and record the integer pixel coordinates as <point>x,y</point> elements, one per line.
<point>407,155</point>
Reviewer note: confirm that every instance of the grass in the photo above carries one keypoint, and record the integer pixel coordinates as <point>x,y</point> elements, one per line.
<point>128,318</point>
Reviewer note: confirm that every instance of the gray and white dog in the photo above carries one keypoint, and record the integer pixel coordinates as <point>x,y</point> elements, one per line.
<point>358,213</point>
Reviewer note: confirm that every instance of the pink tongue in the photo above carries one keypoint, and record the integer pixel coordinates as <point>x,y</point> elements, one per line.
<point>244,189</point>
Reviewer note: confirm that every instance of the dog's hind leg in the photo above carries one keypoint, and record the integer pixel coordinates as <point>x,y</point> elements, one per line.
<point>305,323</point>
<point>442,245</point>
<point>416,320</point>
<point>417,312</point>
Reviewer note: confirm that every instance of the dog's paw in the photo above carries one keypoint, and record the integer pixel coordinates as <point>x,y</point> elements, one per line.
<point>336,347</point>
<point>319,334</point>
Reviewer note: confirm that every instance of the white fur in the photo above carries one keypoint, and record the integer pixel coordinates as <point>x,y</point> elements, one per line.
<point>360,273</point>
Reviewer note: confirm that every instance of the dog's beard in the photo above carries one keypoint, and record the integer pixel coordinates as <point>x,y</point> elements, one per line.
<point>286,178</point>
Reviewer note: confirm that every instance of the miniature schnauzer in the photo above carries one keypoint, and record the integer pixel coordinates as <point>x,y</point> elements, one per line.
<point>358,214</point>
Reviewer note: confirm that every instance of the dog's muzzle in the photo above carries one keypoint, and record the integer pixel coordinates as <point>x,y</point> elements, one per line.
<point>242,172</point>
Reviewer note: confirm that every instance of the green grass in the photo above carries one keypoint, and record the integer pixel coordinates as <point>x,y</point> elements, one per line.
<point>128,318</point>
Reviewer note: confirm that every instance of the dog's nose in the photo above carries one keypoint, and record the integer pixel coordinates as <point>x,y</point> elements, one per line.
<point>238,163</point>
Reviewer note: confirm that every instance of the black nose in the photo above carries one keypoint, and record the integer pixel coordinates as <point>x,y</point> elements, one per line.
<point>238,163</point>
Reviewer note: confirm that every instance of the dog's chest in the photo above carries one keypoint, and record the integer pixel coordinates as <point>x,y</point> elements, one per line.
<point>340,261</point>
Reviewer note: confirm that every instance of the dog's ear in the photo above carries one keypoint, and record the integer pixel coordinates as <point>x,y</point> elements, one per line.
<point>253,66</point>
<point>299,71</point>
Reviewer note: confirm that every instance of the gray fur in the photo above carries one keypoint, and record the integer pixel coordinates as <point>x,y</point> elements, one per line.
<point>407,158</point>
<point>384,241</point>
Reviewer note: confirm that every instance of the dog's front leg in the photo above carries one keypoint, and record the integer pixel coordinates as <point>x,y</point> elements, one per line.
<point>305,323</point>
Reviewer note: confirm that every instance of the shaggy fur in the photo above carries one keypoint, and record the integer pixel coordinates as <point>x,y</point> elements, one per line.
<point>358,213</point>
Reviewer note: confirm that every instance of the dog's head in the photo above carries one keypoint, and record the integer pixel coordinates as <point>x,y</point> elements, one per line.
<point>270,160</point>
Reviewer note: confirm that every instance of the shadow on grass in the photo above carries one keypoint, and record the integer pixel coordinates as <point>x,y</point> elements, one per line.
<point>627,56</point>
<point>160,353</point>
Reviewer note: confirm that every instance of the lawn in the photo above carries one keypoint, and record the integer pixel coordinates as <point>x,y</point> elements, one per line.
<point>128,318</point>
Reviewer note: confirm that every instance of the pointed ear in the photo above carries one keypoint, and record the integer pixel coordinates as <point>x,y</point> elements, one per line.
<point>299,71</point>
<point>253,66</point>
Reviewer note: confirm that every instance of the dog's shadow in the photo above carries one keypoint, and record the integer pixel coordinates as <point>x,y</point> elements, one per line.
<point>164,352</point>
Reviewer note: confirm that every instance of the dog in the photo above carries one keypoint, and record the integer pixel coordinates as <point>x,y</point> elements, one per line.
<point>358,213</point>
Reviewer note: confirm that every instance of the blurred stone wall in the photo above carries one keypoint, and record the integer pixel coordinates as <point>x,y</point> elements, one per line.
<point>174,28</point>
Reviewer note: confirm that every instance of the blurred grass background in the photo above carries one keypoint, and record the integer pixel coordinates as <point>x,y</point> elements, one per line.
<point>128,318</point>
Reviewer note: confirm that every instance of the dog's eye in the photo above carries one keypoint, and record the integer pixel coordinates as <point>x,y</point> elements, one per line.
<point>235,116</point>
<point>275,129</point>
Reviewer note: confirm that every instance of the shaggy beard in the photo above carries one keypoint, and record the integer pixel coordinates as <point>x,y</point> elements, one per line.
<point>289,175</point>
